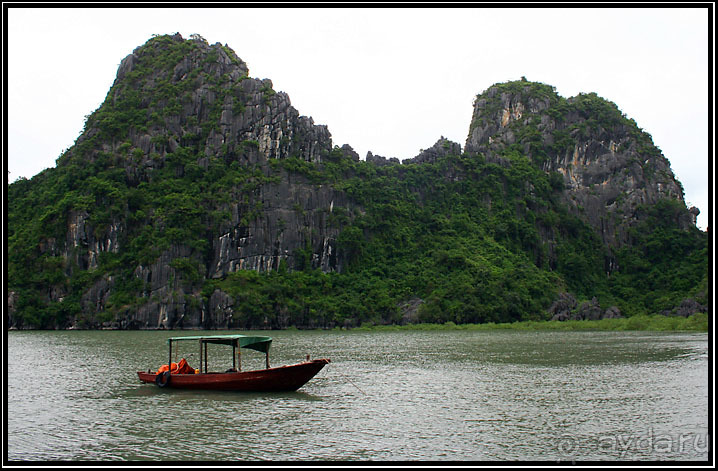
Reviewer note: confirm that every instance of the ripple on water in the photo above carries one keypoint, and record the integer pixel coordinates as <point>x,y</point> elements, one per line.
<point>385,396</point>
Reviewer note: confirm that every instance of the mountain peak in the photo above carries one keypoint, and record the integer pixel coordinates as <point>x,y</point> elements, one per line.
<point>173,93</point>
<point>610,167</point>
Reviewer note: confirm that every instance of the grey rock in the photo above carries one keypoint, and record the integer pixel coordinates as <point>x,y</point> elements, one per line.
<point>612,312</point>
<point>694,214</point>
<point>686,308</point>
<point>441,148</point>
<point>562,308</point>
<point>589,310</point>
<point>295,214</point>
<point>410,311</point>
<point>565,308</point>
<point>349,152</point>
<point>380,160</point>
<point>219,311</point>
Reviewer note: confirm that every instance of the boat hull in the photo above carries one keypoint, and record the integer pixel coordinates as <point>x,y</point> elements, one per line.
<point>283,378</point>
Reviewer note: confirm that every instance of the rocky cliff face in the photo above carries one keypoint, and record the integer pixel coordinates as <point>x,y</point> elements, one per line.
<point>610,168</point>
<point>295,215</point>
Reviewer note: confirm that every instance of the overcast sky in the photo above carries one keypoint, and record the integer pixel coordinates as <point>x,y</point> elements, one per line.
<point>389,81</point>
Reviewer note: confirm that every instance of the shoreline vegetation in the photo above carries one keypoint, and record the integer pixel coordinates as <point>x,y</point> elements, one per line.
<point>650,323</point>
<point>641,322</point>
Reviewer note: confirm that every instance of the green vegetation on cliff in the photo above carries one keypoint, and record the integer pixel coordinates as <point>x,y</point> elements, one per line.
<point>460,234</point>
<point>462,239</point>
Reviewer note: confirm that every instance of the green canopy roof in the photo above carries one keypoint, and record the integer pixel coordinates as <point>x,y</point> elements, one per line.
<point>255,342</point>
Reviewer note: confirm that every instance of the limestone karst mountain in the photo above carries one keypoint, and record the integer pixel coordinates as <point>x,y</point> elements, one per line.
<point>198,197</point>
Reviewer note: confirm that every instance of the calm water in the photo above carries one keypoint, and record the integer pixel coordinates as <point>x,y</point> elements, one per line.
<point>454,396</point>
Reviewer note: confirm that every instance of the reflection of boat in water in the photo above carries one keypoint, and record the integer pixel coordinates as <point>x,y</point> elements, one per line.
<point>282,378</point>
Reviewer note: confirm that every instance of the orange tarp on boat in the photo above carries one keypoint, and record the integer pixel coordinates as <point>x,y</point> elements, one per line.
<point>181,368</point>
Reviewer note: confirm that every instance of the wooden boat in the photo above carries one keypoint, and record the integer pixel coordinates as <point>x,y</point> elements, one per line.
<point>181,375</point>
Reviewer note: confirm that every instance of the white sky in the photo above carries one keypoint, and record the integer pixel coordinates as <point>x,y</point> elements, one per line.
<point>389,81</point>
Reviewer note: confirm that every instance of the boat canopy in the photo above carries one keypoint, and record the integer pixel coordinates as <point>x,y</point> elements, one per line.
<point>255,342</point>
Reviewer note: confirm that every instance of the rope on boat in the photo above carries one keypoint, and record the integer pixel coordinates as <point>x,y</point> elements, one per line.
<point>357,386</point>
<point>348,379</point>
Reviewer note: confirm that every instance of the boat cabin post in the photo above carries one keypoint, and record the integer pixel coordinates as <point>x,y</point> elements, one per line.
<point>234,358</point>
<point>169,361</point>
<point>239,359</point>
<point>200,356</point>
<point>205,357</point>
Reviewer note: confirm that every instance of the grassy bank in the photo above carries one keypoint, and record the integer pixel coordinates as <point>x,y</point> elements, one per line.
<point>652,323</point>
